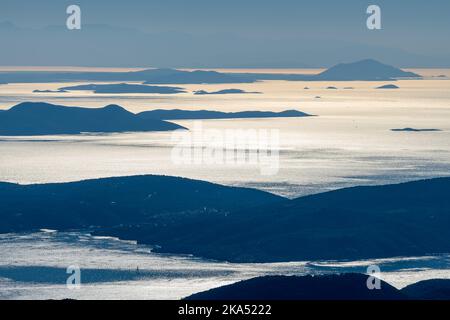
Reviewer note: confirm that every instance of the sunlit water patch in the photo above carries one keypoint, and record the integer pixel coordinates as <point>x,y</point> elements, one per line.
<point>34,265</point>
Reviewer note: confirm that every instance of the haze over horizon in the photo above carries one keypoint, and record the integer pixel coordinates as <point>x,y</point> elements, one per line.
<point>232,34</point>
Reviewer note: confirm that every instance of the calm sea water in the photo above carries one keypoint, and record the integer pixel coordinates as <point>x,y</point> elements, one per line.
<point>349,143</point>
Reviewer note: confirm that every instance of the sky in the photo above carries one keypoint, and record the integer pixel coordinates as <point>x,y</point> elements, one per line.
<point>231,33</point>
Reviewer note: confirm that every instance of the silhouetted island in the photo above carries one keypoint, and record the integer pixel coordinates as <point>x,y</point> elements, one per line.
<point>389,86</point>
<point>241,225</point>
<point>164,76</point>
<point>124,88</point>
<point>149,76</point>
<point>347,286</point>
<point>206,114</point>
<point>415,130</point>
<point>226,91</point>
<point>137,200</point>
<point>364,70</point>
<point>50,91</point>
<point>353,223</point>
<point>30,118</point>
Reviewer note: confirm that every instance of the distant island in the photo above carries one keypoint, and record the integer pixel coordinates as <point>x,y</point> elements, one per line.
<point>364,70</point>
<point>164,76</point>
<point>389,86</point>
<point>415,130</point>
<point>346,286</point>
<point>226,91</point>
<point>50,91</point>
<point>123,88</point>
<point>30,118</point>
<point>149,76</point>
<point>205,114</point>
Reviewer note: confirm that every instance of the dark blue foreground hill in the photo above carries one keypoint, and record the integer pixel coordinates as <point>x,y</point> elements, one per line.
<point>241,225</point>
<point>434,289</point>
<point>347,286</point>
<point>30,118</point>
<point>137,200</point>
<point>326,287</point>
<point>408,219</point>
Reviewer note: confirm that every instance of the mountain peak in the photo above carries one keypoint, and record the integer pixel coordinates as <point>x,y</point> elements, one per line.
<point>114,107</point>
<point>365,70</point>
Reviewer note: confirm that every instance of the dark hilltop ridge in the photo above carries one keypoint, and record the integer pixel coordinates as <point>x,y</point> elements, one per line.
<point>36,118</point>
<point>241,225</point>
<point>346,286</point>
<point>225,91</point>
<point>435,289</point>
<point>123,88</point>
<point>408,219</point>
<point>364,70</point>
<point>137,200</point>
<point>206,114</point>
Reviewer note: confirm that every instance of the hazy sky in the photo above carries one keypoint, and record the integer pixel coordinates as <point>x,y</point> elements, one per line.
<point>231,33</point>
